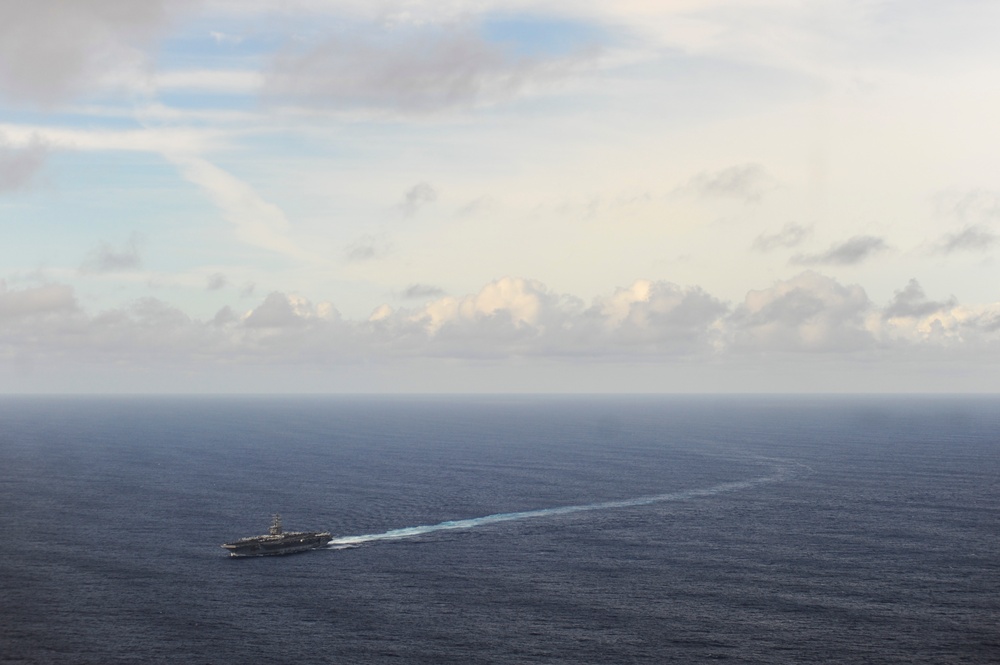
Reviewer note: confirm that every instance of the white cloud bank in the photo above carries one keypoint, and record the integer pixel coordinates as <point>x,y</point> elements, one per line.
<point>419,69</point>
<point>20,164</point>
<point>518,325</point>
<point>51,51</point>
<point>859,111</point>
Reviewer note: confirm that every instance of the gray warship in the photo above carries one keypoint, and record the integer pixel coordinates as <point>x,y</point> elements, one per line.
<point>276,541</point>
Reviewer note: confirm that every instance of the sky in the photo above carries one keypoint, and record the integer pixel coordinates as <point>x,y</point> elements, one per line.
<point>346,196</point>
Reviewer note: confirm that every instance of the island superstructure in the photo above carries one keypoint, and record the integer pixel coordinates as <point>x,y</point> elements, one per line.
<point>277,541</point>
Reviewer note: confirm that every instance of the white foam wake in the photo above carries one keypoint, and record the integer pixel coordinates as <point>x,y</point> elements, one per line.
<point>683,495</point>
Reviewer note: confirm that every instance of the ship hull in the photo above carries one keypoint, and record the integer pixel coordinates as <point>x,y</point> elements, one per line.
<point>269,546</point>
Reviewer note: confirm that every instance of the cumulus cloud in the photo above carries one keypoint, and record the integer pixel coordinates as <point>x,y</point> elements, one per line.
<point>911,301</point>
<point>523,317</point>
<point>420,70</point>
<point>19,165</point>
<point>107,258</point>
<point>989,321</point>
<point>851,252</point>
<point>224,317</point>
<point>662,314</point>
<point>971,329</point>
<point>35,301</point>
<point>516,301</point>
<point>508,319</point>
<point>278,311</point>
<point>746,182</point>
<point>809,312</point>
<point>791,235</point>
<point>51,50</point>
<point>417,197</point>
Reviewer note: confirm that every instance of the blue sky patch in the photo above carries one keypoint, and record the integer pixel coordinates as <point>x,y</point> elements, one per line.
<point>543,36</point>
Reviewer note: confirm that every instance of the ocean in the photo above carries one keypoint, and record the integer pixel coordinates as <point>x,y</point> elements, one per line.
<point>501,529</point>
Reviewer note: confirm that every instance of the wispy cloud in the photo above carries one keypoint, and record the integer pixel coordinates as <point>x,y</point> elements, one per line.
<point>970,207</point>
<point>848,253</point>
<point>416,291</point>
<point>746,182</point>
<point>256,221</point>
<point>478,206</point>
<point>977,211</point>
<point>367,247</point>
<point>225,38</point>
<point>416,198</point>
<point>216,282</point>
<point>791,235</point>
<point>975,238</point>
<point>217,81</point>
<point>174,140</point>
<point>107,258</point>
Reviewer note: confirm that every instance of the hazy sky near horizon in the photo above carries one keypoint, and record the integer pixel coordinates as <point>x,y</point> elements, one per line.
<point>398,196</point>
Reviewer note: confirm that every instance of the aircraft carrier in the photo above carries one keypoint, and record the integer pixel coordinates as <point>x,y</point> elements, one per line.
<point>276,542</point>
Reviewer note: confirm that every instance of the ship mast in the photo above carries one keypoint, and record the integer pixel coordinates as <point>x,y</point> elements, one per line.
<point>275,529</point>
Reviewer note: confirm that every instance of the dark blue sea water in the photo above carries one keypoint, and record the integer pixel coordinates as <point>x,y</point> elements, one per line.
<point>687,530</point>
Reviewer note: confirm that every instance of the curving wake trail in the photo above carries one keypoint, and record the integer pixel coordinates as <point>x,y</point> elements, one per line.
<point>683,495</point>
